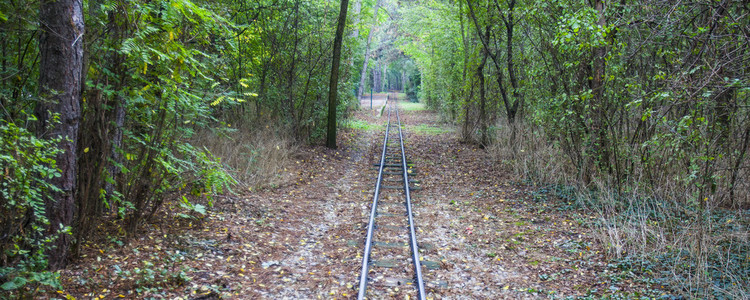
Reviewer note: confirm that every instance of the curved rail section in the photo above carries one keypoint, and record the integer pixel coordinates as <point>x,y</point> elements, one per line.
<point>391,161</point>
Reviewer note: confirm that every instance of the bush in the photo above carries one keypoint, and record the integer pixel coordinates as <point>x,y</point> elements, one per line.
<point>26,164</point>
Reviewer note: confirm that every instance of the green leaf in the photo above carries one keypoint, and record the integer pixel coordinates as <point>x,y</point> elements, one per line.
<point>199,208</point>
<point>16,283</point>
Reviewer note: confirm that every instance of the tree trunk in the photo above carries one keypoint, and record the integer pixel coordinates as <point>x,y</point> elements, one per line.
<point>484,137</point>
<point>517,97</point>
<point>357,11</point>
<point>334,83</point>
<point>100,132</point>
<point>60,68</point>
<point>291,76</point>
<point>738,165</point>
<point>485,39</point>
<point>261,89</point>
<point>464,43</point>
<point>92,137</point>
<point>601,148</point>
<point>386,85</point>
<point>367,51</point>
<point>115,143</point>
<point>376,78</point>
<point>465,67</point>
<point>403,81</point>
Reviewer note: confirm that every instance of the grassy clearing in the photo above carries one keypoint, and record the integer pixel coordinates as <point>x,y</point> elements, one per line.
<point>359,125</point>
<point>411,106</point>
<point>699,251</point>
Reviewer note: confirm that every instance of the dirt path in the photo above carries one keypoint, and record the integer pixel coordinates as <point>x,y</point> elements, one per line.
<point>376,101</point>
<point>492,238</point>
<point>492,241</point>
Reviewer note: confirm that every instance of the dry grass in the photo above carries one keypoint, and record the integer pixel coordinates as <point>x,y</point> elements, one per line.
<point>700,251</point>
<point>529,155</point>
<point>699,255</point>
<point>253,156</point>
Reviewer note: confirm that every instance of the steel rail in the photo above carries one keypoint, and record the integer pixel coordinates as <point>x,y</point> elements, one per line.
<point>373,212</point>
<point>412,233</point>
<point>414,247</point>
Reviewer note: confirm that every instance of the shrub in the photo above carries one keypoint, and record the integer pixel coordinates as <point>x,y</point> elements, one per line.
<point>26,165</point>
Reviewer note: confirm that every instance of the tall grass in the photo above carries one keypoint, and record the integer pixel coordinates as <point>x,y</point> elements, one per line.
<point>254,156</point>
<point>649,230</point>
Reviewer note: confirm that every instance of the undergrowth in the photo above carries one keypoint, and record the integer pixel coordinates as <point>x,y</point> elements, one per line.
<point>656,237</point>
<point>26,163</point>
<point>254,156</point>
<point>359,125</point>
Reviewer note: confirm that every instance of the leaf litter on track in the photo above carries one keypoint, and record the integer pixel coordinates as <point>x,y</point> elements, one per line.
<point>487,237</point>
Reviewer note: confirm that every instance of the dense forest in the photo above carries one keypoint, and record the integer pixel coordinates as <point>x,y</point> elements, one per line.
<point>115,111</point>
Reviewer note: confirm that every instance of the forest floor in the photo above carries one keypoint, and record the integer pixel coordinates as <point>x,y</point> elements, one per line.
<point>493,236</point>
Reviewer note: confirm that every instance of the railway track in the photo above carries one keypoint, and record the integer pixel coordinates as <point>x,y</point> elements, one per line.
<point>391,263</point>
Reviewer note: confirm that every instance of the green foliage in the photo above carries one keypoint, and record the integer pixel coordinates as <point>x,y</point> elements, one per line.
<point>179,80</point>
<point>19,72</point>
<point>629,98</point>
<point>284,49</point>
<point>359,125</point>
<point>667,121</point>
<point>157,73</point>
<point>435,45</point>
<point>151,276</point>
<point>26,163</point>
